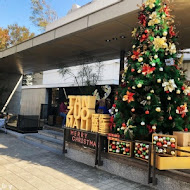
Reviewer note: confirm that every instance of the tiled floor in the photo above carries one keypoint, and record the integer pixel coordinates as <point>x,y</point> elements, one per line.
<point>26,167</point>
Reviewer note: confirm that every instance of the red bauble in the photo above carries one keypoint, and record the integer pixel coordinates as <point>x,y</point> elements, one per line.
<point>159,144</point>
<point>114,105</point>
<point>170,118</point>
<point>116,92</point>
<point>146,31</point>
<point>186,129</point>
<point>144,149</point>
<point>138,146</point>
<point>165,142</point>
<point>143,157</point>
<point>116,98</point>
<point>188,94</point>
<point>132,70</point>
<point>147,112</point>
<point>127,150</point>
<point>113,147</point>
<point>123,124</point>
<point>139,152</point>
<point>182,88</point>
<point>133,109</point>
<point>167,91</point>
<point>172,145</point>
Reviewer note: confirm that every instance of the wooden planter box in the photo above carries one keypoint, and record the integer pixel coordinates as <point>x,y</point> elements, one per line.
<point>172,163</point>
<point>179,153</point>
<point>119,147</point>
<point>163,142</point>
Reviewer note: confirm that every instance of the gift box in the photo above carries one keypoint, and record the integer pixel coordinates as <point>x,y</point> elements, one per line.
<point>183,138</point>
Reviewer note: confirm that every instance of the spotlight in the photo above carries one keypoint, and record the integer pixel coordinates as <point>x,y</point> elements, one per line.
<point>108,40</point>
<point>114,38</point>
<point>122,37</point>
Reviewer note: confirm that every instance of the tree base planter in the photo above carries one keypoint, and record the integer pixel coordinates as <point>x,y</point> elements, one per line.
<point>172,163</point>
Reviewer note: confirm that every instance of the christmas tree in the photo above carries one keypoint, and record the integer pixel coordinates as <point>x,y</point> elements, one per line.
<point>152,96</point>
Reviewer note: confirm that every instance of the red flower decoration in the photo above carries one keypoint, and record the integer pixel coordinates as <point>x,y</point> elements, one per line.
<point>135,54</point>
<point>146,69</point>
<point>167,10</point>
<point>171,32</point>
<point>142,19</point>
<point>149,128</point>
<point>128,97</point>
<point>143,37</point>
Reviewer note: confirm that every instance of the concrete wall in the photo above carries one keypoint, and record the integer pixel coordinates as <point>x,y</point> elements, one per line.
<point>31,101</point>
<point>7,83</point>
<point>81,12</point>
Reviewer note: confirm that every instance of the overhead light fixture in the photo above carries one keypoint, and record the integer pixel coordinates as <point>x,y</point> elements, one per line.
<point>114,38</point>
<point>122,37</point>
<point>108,40</point>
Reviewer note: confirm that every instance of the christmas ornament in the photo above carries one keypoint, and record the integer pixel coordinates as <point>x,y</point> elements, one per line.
<point>133,109</point>
<point>156,57</point>
<point>142,123</point>
<point>147,112</point>
<point>170,117</point>
<point>186,129</point>
<point>165,33</point>
<point>139,71</point>
<point>158,109</point>
<point>140,59</point>
<point>139,85</point>
<point>169,98</point>
<point>154,127</point>
<point>161,69</point>
<point>148,98</point>
<point>132,70</point>
<point>152,91</point>
<point>159,80</point>
<point>178,91</point>
<point>169,85</point>
<point>133,87</point>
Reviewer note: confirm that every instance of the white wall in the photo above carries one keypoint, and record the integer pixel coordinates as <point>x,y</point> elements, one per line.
<point>109,75</point>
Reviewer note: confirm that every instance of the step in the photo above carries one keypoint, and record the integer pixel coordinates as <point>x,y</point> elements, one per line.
<point>51,134</point>
<point>58,129</point>
<point>46,141</point>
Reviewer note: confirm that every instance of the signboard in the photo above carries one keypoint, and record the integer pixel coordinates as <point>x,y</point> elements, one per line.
<point>84,138</point>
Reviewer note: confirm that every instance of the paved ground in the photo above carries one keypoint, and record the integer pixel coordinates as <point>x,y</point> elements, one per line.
<point>25,167</point>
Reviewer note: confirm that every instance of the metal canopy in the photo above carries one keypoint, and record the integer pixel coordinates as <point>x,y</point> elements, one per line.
<point>63,46</point>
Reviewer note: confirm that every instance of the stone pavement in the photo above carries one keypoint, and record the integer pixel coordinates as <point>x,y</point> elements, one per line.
<point>26,167</point>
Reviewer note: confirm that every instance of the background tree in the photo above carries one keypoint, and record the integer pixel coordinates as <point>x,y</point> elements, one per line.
<point>18,34</point>
<point>153,96</point>
<point>42,14</point>
<point>4,38</point>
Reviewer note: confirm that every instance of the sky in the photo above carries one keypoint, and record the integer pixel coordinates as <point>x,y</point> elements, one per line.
<point>18,11</point>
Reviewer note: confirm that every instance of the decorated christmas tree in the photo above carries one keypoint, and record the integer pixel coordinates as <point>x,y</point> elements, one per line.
<point>153,96</point>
